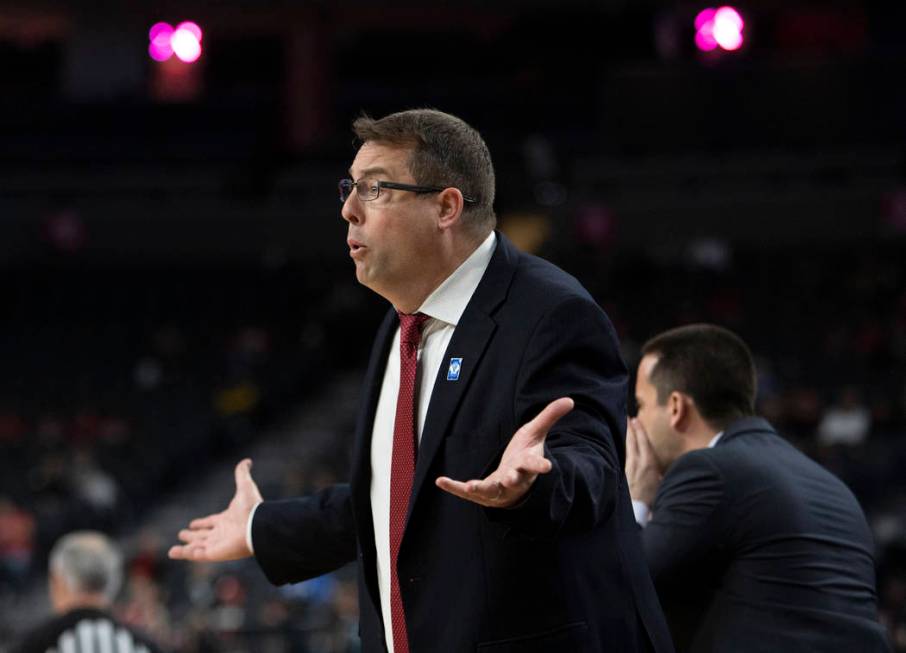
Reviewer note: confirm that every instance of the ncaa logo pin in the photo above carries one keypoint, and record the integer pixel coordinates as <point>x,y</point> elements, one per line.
<point>454,369</point>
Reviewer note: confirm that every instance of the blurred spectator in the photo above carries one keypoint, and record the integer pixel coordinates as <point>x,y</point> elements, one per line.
<point>144,608</point>
<point>148,373</point>
<point>803,411</point>
<point>17,530</point>
<point>847,422</point>
<point>229,610</point>
<point>91,484</point>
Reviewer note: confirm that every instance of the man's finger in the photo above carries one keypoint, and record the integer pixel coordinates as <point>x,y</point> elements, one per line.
<point>487,489</point>
<point>532,464</point>
<point>457,488</point>
<point>632,444</point>
<point>196,553</point>
<point>484,492</point>
<point>634,458</point>
<point>189,536</point>
<point>185,552</point>
<point>538,428</point>
<point>646,452</point>
<point>203,523</point>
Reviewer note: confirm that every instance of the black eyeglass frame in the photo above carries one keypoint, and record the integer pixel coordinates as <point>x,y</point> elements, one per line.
<point>394,185</point>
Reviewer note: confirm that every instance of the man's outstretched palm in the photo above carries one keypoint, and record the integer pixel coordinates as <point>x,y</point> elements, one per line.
<point>520,465</point>
<point>221,537</point>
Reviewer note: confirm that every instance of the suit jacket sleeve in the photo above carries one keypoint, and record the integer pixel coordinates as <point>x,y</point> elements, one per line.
<point>688,517</point>
<point>298,539</point>
<point>572,353</point>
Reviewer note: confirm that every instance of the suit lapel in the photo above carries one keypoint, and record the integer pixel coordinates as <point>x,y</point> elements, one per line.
<point>470,341</point>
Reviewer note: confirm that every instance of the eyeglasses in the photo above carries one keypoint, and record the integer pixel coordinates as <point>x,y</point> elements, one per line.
<point>370,189</point>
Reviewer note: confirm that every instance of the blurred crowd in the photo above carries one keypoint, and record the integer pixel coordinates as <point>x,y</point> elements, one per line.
<point>117,387</point>
<point>203,608</point>
<point>120,387</point>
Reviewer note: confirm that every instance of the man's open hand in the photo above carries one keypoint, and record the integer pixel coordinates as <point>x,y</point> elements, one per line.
<point>221,537</point>
<point>520,465</point>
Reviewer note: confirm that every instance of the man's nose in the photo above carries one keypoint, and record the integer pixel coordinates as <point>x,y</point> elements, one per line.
<point>350,210</point>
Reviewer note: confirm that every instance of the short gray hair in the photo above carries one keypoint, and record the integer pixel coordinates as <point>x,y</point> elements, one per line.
<point>89,563</point>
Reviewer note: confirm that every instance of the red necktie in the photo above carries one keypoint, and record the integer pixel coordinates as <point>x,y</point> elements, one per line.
<point>402,466</point>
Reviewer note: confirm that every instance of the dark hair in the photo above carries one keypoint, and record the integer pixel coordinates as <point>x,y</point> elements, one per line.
<point>710,364</point>
<point>445,152</point>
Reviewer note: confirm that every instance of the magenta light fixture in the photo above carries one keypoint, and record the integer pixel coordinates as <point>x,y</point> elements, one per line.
<point>160,35</point>
<point>719,28</point>
<point>184,41</point>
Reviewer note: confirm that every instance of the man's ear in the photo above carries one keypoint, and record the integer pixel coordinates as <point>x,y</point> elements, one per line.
<point>58,593</point>
<point>680,406</point>
<point>450,205</point>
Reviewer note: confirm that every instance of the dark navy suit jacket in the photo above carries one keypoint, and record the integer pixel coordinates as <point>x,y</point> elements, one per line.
<point>564,571</point>
<point>754,547</point>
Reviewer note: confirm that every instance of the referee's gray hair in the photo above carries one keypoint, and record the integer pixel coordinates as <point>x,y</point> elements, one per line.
<point>89,563</point>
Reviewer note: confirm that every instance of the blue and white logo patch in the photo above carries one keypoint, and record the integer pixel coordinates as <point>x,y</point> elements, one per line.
<point>454,369</point>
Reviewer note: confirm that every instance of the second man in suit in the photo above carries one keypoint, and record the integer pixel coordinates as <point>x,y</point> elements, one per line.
<point>754,548</point>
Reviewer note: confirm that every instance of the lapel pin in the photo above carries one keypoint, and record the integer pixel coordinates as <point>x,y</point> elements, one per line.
<point>454,369</point>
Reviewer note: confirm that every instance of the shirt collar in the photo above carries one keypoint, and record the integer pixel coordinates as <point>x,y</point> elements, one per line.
<point>715,439</point>
<point>449,299</point>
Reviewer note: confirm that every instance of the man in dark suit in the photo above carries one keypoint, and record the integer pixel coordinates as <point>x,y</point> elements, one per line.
<point>753,547</point>
<point>492,366</point>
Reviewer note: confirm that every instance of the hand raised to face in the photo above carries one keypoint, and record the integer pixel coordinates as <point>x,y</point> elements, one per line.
<point>642,470</point>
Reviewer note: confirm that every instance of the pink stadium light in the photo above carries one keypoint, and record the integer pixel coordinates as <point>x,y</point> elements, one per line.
<point>727,30</point>
<point>184,41</point>
<point>186,45</point>
<point>721,27</point>
<point>160,35</point>
<point>191,27</point>
<point>705,17</point>
<point>705,40</point>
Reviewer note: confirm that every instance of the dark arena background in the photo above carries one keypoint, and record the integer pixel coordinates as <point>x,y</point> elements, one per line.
<point>176,291</point>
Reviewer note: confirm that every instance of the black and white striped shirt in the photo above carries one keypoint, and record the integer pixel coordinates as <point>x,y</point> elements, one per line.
<point>85,631</point>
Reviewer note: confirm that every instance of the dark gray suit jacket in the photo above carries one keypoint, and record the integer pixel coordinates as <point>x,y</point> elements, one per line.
<point>754,547</point>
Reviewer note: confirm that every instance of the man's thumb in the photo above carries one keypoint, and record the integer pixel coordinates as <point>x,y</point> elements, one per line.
<point>551,414</point>
<point>243,473</point>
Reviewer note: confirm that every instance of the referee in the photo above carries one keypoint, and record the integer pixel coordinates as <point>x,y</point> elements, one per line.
<point>86,571</point>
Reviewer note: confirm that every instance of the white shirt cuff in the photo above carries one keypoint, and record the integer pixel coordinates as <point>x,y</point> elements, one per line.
<point>642,512</point>
<point>248,528</point>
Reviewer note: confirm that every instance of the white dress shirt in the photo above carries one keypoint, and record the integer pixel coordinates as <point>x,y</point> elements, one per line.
<point>643,511</point>
<point>444,307</point>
